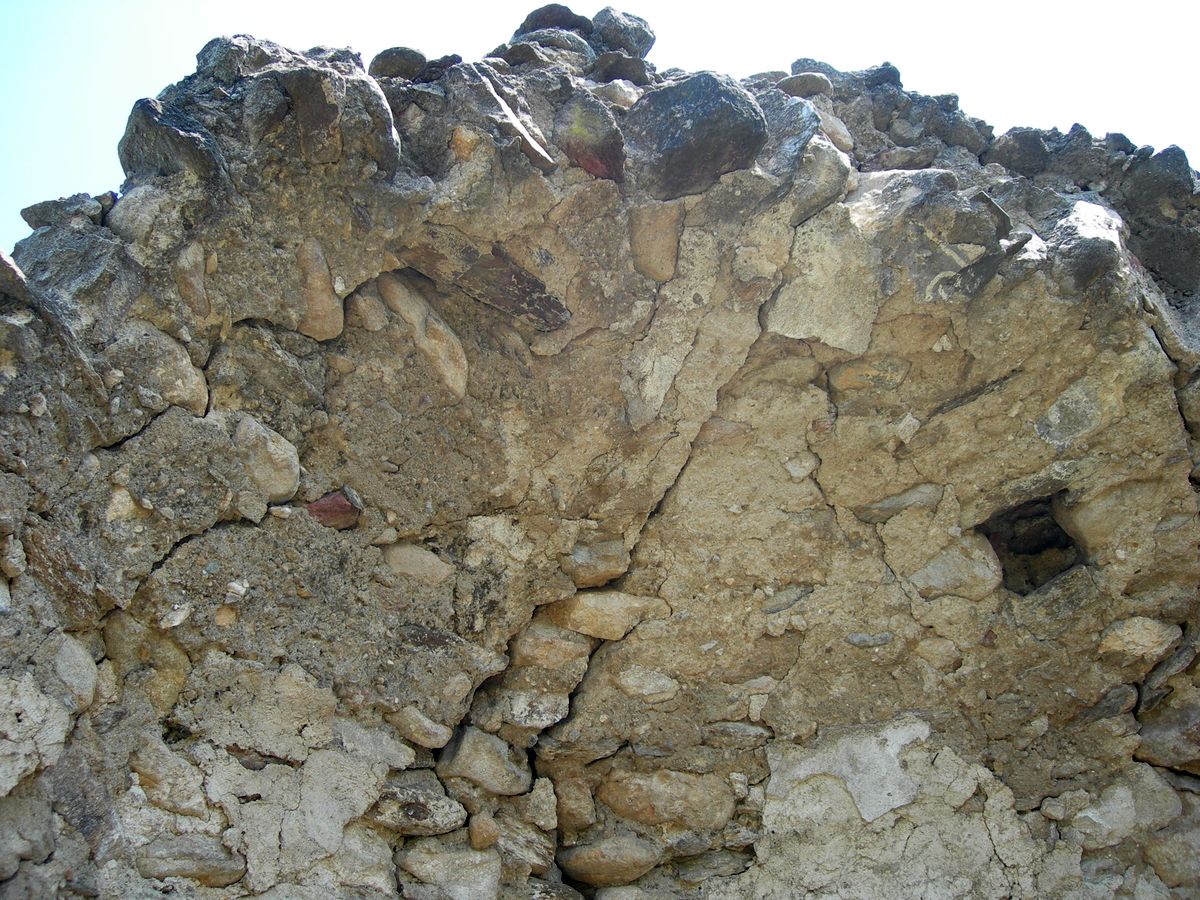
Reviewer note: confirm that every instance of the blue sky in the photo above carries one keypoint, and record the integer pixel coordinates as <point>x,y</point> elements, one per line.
<point>71,69</point>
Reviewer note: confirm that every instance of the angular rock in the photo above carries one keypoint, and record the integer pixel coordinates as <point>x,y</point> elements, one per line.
<point>199,857</point>
<point>622,31</point>
<point>161,140</point>
<point>615,65</point>
<point>594,564</point>
<point>805,84</point>
<point>415,803</point>
<point>487,761</point>
<point>460,874</point>
<point>271,460</point>
<point>417,727</point>
<point>586,131</point>
<point>1139,640</point>
<point>608,615</point>
<point>687,135</point>
<point>339,509</point>
<point>1138,799</point>
<point>1021,149</point>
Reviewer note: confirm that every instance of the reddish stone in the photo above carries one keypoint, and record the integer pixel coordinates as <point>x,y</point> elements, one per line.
<point>339,509</point>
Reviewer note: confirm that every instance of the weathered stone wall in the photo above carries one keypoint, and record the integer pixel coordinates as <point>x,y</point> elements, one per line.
<point>549,475</point>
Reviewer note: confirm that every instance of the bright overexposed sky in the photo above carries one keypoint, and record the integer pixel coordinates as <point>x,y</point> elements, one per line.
<point>71,69</point>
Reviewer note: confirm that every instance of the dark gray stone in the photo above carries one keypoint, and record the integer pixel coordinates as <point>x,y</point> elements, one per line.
<point>160,140</point>
<point>613,30</point>
<point>63,211</point>
<point>690,133</point>
<point>884,73</point>
<point>1022,150</point>
<point>317,115</point>
<point>397,62</point>
<point>554,15</point>
<point>614,64</point>
<point>436,68</point>
<point>1166,175</point>
<point>791,124</point>
<point>560,39</point>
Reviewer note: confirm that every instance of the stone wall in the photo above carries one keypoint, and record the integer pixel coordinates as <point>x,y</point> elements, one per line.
<point>550,476</point>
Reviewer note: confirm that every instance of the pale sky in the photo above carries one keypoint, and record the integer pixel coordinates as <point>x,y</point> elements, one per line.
<point>71,69</point>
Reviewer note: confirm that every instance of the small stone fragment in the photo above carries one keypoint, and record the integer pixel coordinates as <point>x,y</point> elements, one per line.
<point>270,459</point>
<point>196,856</point>
<point>646,684</point>
<point>805,84</point>
<point>169,780</point>
<point>417,727</point>
<point>1139,640</point>
<point>416,562</point>
<point>594,564</point>
<point>484,831</point>
<point>609,615</point>
<point>323,317</point>
<point>339,509</point>
<point>486,760</point>
<point>654,239</point>
<point>415,803</point>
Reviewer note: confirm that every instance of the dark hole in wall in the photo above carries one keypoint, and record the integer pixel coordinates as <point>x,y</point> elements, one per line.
<point>1033,548</point>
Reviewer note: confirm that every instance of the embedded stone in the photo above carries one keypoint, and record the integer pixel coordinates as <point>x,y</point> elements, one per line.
<point>586,131</point>
<point>486,760</point>
<point>687,135</point>
<point>397,62</point>
<point>611,860</point>
<point>608,615</point>
<point>338,509</point>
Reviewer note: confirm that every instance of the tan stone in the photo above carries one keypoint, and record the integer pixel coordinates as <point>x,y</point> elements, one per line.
<point>576,810</point>
<point>365,311</point>
<point>609,615</point>
<point>416,562</point>
<point>548,646</point>
<point>461,874</point>
<point>484,831</point>
<point>940,653</point>
<point>433,337</point>
<point>270,459</point>
<point>594,564</point>
<point>677,799</point>
<point>196,856</point>
<point>417,727</point>
<point>169,780</point>
<point>646,684</point>
<point>323,317</point>
<point>487,761</point>
<point>654,239</point>
<point>611,860</point>
<point>1139,640</point>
